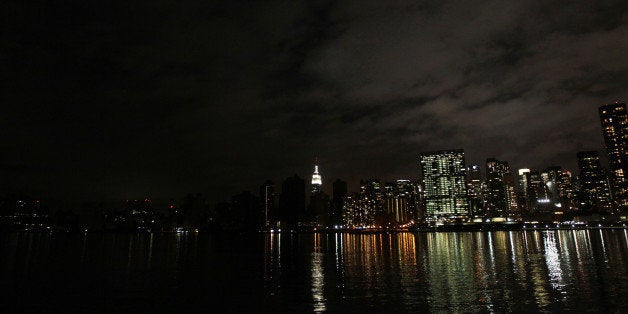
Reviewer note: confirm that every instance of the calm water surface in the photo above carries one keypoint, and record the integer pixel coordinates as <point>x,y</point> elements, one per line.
<point>531,271</point>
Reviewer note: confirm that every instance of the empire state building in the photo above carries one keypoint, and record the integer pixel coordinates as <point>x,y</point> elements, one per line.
<point>316,180</point>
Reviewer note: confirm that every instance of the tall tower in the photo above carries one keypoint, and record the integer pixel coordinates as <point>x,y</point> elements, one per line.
<point>398,202</point>
<point>498,189</point>
<point>523,181</point>
<point>444,184</point>
<point>317,181</point>
<point>337,201</point>
<point>523,189</point>
<point>267,196</point>
<point>615,129</point>
<point>292,201</point>
<point>474,190</point>
<point>594,194</point>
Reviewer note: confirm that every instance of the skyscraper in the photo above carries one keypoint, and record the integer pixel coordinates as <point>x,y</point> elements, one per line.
<point>594,193</point>
<point>500,190</point>
<point>339,193</point>
<point>317,181</point>
<point>615,129</point>
<point>292,201</point>
<point>523,189</point>
<point>538,194</point>
<point>244,214</point>
<point>268,203</point>
<point>511,196</point>
<point>522,181</point>
<point>474,190</point>
<point>318,210</point>
<point>444,184</point>
<point>399,202</point>
<point>370,202</point>
<point>559,186</point>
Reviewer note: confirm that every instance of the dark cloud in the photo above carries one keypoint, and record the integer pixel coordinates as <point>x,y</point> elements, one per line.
<point>157,98</point>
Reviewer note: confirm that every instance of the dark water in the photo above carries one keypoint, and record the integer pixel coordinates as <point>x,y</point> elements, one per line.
<point>583,270</point>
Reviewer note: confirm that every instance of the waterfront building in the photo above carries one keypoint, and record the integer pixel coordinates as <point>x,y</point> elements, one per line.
<point>614,121</point>
<point>244,214</point>
<point>500,198</point>
<point>538,194</point>
<point>523,187</point>
<point>339,193</point>
<point>522,181</point>
<point>318,214</point>
<point>399,202</point>
<point>268,202</point>
<point>594,194</point>
<point>371,202</point>
<point>511,196</point>
<point>419,201</point>
<point>558,182</point>
<point>567,191</point>
<point>350,211</point>
<point>444,184</point>
<point>292,202</point>
<point>475,190</point>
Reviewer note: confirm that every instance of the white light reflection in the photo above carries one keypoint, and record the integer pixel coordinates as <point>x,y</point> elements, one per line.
<point>552,259</point>
<point>318,278</point>
<point>574,235</point>
<point>279,250</point>
<point>336,247</point>
<point>490,250</point>
<point>513,255</point>
<point>603,246</point>
<point>339,251</point>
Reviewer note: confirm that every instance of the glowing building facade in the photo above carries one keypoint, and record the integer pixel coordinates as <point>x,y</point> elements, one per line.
<point>317,180</point>
<point>444,184</point>
<point>615,129</point>
<point>475,190</point>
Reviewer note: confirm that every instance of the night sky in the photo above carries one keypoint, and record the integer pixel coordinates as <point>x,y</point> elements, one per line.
<point>156,99</point>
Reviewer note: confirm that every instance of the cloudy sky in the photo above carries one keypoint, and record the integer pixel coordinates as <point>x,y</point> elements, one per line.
<point>150,98</point>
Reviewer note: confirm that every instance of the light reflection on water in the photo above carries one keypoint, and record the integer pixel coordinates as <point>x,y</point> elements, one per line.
<point>490,271</point>
<point>337,272</point>
<point>318,278</point>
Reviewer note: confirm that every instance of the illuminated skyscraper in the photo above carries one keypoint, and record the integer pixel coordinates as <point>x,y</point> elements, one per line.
<point>370,202</point>
<point>615,129</point>
<point>559,186</point>
<point>594,193</point>
<point>444,184</point>
<point>523,189</point>
<point>511,196</point>
<point>538,194</point>
<point>474,190</point>
<point>522,181</point>
<point>399,202</point>
<point>499,200</point>
<point>317,181</point>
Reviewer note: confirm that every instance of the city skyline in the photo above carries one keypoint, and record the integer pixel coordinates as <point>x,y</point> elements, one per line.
<point>341,156</point>
<point>114,102</point>
<point>318,185</point>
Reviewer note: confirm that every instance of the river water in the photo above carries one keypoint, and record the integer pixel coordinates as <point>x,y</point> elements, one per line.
<point>501,271</point>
